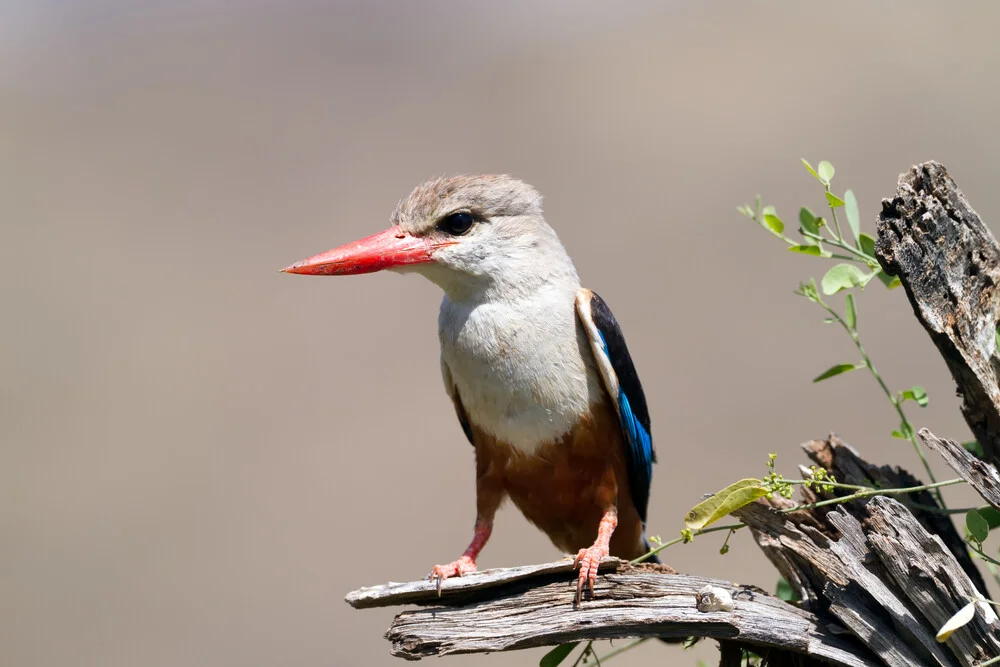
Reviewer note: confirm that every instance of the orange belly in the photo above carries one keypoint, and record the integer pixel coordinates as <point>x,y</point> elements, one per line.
<point>564,487</point>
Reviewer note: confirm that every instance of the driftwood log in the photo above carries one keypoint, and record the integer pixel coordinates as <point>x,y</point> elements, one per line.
<point>874,578</point>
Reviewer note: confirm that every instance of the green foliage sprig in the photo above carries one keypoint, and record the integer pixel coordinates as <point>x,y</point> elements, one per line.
<point>857,271</point>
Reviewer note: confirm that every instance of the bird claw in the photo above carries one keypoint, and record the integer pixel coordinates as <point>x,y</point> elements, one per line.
<point>459,567</point>
<point>589,561</point>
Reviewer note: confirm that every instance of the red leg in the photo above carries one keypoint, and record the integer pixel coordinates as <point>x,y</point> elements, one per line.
<point>590,559</point>
<point>467,563</point>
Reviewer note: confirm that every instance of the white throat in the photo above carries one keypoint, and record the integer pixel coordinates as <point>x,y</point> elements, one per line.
<point>520,362</point>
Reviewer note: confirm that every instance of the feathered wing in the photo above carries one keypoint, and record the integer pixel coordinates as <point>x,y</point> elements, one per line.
<point>622,383</point>
<point>449,386</point>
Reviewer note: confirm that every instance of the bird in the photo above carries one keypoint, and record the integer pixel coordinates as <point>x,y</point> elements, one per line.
<point>536,366</point>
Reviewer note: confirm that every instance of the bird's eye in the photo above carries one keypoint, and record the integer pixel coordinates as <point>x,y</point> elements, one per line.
<point>458,223</point>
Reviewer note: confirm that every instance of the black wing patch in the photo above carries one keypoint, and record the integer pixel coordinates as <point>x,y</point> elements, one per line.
<point>633,413</point>
<point>463,420</point>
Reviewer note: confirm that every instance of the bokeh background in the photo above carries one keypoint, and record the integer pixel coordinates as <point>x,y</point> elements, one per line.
<point>199,456</point>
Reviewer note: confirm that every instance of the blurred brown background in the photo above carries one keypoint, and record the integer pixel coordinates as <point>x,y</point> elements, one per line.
<point>199,457</point>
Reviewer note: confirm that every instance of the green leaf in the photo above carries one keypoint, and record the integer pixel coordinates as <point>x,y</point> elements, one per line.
<point>834,200</point>
<point>557,655</point>
<point>730,499</point>
<point>991,514</point>
<point>974,447</point>
<point>814,250</point>
<point>810,169</point>
<point>891,282</point>
<point>917,394</point>
<point>808,221</point>
<point>897,434</point>
<point>866,244</point>
<point>825,172</point>
<point>784,591</point>
<point>836,370</point>
<point>852,314</point>
<point>853,216</point>
<point>843,276</point>
<point>962,617</point>
<point>774,223</point>
<point>905,432</point>
<point>977,525</point>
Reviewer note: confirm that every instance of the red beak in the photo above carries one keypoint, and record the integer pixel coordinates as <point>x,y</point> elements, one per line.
<point>384,250</point>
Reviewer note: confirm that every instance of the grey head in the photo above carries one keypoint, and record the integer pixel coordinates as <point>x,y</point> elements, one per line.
<point>491,239</point>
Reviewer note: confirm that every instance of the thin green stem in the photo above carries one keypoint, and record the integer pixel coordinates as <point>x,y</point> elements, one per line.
<point>874,492</point>
<point>982,554</point>
<point>992,602</point>
<point>582,655</point>
<point>835,485</point>
<point>991,661</point>
<point>833,212</point>
<point>938,510</point>
<point>866,259</point>
<point>993,571</point>
<point>677,540</point>
<point>627,647</point>
<point>896,403</point>
<point>859,492</point>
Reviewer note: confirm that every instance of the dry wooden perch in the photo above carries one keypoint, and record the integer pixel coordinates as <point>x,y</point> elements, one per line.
<point>875,577</point>
<point>949,262</point>
<point>503,609</point>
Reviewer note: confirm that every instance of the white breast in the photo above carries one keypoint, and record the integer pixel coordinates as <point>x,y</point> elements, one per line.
<point>522,369</point>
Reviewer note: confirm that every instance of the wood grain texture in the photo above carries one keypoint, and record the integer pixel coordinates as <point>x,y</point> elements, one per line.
<point>844,462</point>
<point>500,610</point>
<point>982,476</point>
<point>949,263</point>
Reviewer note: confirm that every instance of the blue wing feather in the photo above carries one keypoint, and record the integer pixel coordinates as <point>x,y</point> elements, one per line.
<point>633,414</point>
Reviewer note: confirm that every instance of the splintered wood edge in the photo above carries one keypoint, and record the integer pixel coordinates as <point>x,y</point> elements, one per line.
<point>982,476</point>
<point>632,603</point>
<point>424,591</point>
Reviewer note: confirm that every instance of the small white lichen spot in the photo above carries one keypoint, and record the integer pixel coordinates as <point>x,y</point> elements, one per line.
<point>713,598</point>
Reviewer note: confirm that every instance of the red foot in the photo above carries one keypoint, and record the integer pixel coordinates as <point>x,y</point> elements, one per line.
<point>459,567</point>
<point>589,560</point>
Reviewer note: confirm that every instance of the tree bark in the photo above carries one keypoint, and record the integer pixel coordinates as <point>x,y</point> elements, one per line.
<point>948,261</point>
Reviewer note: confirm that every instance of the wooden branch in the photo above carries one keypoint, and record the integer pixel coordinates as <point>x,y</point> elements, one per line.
<point>505,609</point>
<point>949,262</point>
<point>884,576</point>
<point>844,462</point>
<point>935,586</point>
<point>457,589</point>
<point>980,475</point>
<point>858,597</point>
<point>876,583</point>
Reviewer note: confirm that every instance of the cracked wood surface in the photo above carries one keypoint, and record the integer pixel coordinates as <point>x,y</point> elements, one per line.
<point>504,609</point>
<point>949,263</point>
<point>982,476</point>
